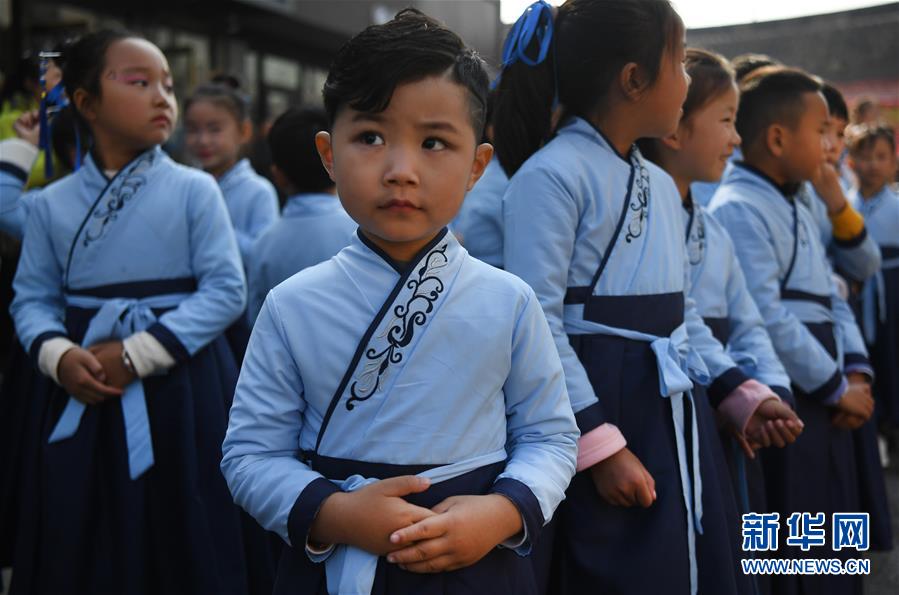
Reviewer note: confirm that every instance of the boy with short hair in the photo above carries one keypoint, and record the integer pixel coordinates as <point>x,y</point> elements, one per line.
<point>402,368</point>
<point>782,118</point>
<point>313,226</point>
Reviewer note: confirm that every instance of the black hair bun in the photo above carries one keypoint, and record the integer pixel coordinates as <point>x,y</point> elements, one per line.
<point>226,80</point>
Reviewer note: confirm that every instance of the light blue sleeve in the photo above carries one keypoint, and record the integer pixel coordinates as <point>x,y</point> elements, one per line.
<point>262,208</point>
<point>806,361</point>
<point>541,216</point>
<point>221,288</point>
<point>724,372</point>
<point>855,353</point>
<point>15,204</point>
<point>261,458</point>
<point>858,258</point>
<point>542,433</point>
<point>38,308</point>
<point>257,288</point>
<point>748,335</point>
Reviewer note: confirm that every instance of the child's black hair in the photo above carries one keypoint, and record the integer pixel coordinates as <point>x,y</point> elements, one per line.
<point>292,144</point>
<point>409,48</point>
<point>710,76</point>
<point>223,90</point>
<point>593,40</point>
<point>864,136</point>
<point>836,105</point>
<point>85,60</point>
<point>746,64</point>
<point>772,95</point>
<point>65,126</point>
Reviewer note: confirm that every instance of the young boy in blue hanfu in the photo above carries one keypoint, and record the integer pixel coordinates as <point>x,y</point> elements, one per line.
<point>313,226</point>
<point>782,118</point>
<point>853,252</point>
<point>402,410</point>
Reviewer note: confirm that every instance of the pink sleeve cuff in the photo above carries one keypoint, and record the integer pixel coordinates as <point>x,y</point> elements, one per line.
<point>598,444</point>
<point>739,405</point>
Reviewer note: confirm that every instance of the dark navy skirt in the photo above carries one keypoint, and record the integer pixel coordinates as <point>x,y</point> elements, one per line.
<point>885,351</point>
<point>500,571</point>
<point>602,548</point>
<point>91,529</point>
<point>817,473</point>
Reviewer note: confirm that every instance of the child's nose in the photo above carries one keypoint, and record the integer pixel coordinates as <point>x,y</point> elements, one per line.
<point>401,167</point>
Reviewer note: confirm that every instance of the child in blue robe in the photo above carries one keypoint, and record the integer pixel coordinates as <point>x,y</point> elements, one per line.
<point>313,226</point>
<point>122,305</point>
<point>781,119</point>
<point>597,232</point>
<point>402,410</point>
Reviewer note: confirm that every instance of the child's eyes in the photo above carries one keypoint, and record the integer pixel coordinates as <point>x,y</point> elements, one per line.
<point>371,138</point>
<point>434,144</point>
<point>139,82</point>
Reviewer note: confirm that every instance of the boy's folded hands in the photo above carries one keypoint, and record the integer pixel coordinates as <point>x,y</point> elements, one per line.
<point>456,533</point>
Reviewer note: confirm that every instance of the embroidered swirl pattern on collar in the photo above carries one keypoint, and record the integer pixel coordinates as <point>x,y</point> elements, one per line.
<point>398,333</point>
<point>122,189</point>
<point>640,202</point>
<point>696,245</point>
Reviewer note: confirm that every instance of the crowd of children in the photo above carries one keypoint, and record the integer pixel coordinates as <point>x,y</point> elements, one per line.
<point>667,298</point>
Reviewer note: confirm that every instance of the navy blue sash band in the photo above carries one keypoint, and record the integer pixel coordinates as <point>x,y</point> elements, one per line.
<point>138,289</point>
<point>804,296</point>
<point>657,314</point>
<point>824,333</point>
<point>720,328</point>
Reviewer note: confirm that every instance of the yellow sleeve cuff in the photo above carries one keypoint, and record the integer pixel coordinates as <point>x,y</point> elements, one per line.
<point>847,224</point>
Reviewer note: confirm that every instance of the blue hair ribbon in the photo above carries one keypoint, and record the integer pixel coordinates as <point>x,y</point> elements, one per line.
<point>534,24</point>
<point>52,101</point>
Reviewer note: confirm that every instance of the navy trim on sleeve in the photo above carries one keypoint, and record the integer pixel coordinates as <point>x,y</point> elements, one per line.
<point>856,359</point>
<point>14,170</point>
<point>589,418</point>
<point>35,350</point>
<point>305,509</point>
<point>526,503</point>
<point>168,340</point>
<point>785,394</point>
<point>725,384</point>
<point>853,241</point>
<point>826,390</point>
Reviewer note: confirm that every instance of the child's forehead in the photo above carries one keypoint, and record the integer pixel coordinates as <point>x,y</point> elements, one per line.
<point>136,55</point>
<point>435,98</point>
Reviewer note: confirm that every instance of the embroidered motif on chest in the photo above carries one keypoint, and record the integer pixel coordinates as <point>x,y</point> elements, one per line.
<point>696,245</point>
<point>639,204</point>
<point>412,310</point>
<point>120,193</point>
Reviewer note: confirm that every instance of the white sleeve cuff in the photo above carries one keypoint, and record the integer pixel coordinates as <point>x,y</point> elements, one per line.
<point>50,353</point>
<point>319,554</point>
<point>147,354</point>
<point>519,539</point>
<point>19,153</point>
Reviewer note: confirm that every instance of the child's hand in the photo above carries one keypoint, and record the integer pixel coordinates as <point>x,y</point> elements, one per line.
<point>109,354</point>
<point>28,127</point>
<point>622,480</point>
<point>846,421</point>
<point>857,401</point>
<point>773,423</point>
<point>83,377</point>
<point>827,185</point>
<point>464,530</point>
<point>366,518</point>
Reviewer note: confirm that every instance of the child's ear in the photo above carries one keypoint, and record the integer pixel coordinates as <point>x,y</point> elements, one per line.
<point>673,140</point>
<point>246,131</point>
<point>775,139</point>
<point>84,103</point>
<point>482,156</point>
<point>325,152</point>
<point>631,80</point>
